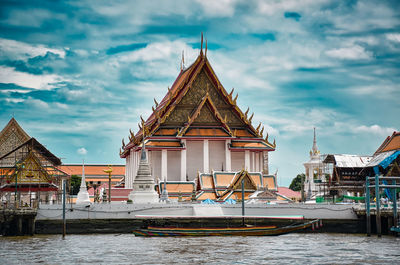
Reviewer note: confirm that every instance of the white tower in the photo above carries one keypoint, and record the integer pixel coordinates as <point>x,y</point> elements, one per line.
<point>143,185</point>
<point>83,195</point>
<point>313,170</point>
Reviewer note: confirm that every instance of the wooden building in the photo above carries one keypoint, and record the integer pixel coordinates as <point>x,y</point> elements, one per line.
<point>28,171</point>
<point>197,129</point>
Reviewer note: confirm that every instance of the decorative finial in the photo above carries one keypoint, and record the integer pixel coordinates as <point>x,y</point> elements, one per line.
<point>152,108</point>
<point>266,138</point>
<point>141,118</point>
<point>234,100</point>
<point>123,143</point>
<point>205,53</point>
<point>247,111</point>
<point>274,144</point>
<point>258,127</point>
<point>155,101</point>
<point>140,127</point>
<point>230,94</point>
<point>201,46</point>
<point>251,117</point>
<point>183,61</point>
<point>262,130</point>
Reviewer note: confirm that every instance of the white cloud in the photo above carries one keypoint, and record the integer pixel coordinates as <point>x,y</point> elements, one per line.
<point>375,129</point>
<point>220,8</point>
<point>355,52</point>
<point>378,90</point>
<point>393,37</point>
<point>8,75</point>
<point>21,50</point>
<point>82,151</point>
<point>37,103</point>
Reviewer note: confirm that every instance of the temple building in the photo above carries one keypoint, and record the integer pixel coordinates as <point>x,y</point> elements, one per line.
<point>28,171</point>
<point>197,130</point>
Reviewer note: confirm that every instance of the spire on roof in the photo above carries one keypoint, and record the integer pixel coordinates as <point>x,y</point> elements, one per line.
<point>314,147</point>
<point>201,46</point>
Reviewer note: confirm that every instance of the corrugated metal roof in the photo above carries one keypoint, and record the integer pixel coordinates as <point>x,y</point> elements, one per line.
<point>379,158</point>
<point>352,160</point>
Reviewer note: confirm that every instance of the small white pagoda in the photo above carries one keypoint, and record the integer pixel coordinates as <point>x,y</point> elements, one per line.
<point>143,186</point>
<point>83,195</point>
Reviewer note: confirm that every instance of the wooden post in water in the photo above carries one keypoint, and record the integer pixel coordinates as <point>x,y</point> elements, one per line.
<point>378,210</point>
<point>395,220</point>
<point>243,202</point>
<point>368,206</point>
<point>64,221</point>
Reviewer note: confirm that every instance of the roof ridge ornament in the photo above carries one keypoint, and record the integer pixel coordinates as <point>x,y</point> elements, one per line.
<point>205,53</point>
<point>201,45</point>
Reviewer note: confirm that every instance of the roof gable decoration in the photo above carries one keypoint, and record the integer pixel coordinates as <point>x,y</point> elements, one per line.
<point>11,136</point>
<point>206,100</point>
<point>29,170</point>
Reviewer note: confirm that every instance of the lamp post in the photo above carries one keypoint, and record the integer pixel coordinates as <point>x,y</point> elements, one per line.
<point>109,170</point>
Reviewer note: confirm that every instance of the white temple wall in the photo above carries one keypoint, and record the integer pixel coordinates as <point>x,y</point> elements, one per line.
<point>194,158</point>
<point>156,165</point>
<point>217,155</point>
<point>174,166</point>
<point>237,161</point>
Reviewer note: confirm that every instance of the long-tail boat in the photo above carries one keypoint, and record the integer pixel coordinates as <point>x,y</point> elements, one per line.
<point>238,231</point>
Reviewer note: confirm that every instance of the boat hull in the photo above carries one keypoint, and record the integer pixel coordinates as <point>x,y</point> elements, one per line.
<point>240,231</point>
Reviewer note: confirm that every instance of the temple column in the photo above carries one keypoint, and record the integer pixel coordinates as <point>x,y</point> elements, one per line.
<point>183,161</point>
<point>164,164</point>
<point>253,164</point>
<point>206,162</point>
<point>247,160</point>
<point>228,166</point>
<point>257,158</point>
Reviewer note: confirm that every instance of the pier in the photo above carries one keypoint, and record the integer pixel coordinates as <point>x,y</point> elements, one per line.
<point>17,221</point>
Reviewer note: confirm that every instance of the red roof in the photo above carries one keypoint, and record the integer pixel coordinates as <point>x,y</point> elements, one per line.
<point>289,193</point>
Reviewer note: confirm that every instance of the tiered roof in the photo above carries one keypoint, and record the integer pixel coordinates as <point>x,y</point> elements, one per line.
<point>198,106</point>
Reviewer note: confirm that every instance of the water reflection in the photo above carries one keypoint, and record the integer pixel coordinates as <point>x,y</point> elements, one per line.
<point>127,249</point>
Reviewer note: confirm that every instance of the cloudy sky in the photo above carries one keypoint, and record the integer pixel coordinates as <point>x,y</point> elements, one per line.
<point>78,74</point>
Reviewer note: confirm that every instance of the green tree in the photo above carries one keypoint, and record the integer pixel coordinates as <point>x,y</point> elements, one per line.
<point>296,182</point>
<point>75,184</point>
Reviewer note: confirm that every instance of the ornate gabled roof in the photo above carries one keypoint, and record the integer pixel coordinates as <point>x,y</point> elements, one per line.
<point>12,136</point>
<point>33,144</point>
<point>195,90</point>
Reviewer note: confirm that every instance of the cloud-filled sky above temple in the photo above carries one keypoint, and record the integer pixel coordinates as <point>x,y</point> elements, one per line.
<point>77,75</point>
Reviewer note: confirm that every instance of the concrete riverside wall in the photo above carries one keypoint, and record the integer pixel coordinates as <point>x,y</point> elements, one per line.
<point>123,218</point>
<point>130,211</point>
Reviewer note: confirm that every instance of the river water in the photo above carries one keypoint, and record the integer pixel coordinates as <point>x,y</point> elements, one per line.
<point>128,249</point>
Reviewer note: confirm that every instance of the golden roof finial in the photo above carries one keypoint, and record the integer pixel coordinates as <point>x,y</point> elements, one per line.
<point>266,138</point>
<point>123,143</point>
<point>251,117</point>
<point>247,111</point>
<point>152,108</point>
<point>230,94</point>
<point>258,127</point>
<point>274,144</point>
<point>262,130</point>
<point>155,101</point>
<point>141,118</point>
<point>234,100</point>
